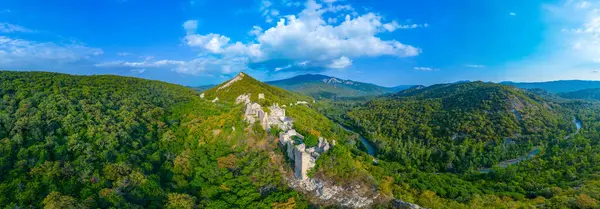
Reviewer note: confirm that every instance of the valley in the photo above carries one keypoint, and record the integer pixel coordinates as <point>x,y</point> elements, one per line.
<point>110,141</point>
<point>370,148</point>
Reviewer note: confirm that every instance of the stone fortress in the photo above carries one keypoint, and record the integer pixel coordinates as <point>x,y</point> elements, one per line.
<point>304,157</point>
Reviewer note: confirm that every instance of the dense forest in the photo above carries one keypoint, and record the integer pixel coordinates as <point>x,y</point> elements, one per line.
<point>442,146</point>
<point>107,141</point>
<point>586,94</point>
<point>117,142</point>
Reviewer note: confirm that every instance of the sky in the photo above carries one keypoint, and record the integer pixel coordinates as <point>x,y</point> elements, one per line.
<point>386,42</point>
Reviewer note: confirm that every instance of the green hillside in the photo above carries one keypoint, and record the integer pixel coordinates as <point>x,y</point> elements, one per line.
<point>450,139</point>
<point>117,142</point>
<point>586,94</point>
<point>230,90</point>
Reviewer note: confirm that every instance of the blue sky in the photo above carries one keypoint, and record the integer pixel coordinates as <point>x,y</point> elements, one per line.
<point>387,42</point>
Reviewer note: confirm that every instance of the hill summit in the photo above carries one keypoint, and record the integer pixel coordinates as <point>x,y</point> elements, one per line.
<point>243,84</point>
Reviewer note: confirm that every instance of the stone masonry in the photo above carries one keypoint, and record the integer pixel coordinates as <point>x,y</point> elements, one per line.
<point>293,143</point>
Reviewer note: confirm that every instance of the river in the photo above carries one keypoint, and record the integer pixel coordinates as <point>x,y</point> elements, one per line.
<point>531,154</point>
<point>370,148</point>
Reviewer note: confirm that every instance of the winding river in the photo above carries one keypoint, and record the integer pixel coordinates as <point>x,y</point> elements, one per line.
<point>370,148</point>
<point>372,151</point>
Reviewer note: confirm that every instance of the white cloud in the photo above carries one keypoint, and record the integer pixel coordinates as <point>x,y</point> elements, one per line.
<point>571,49</point>
<point>512,14</point>
<point>256,31</point>
<point>304,41</point>
<point>198,66</point>
<point>123,54</point>
<point>190,26</point>
<point>267,11</point>
<point>139,71</point>
<point>291,3</point>
<point>584,4</point>
<point>17,53</point>
<point>475,66</point>
<point>309,37</point>
<point>342,62</point>
<point>214,43</point>
<point>425,69</point>
<point>10,28</point>
<point>283,68</point>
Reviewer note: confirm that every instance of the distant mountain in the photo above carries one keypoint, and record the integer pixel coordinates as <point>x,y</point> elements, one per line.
<point>586,94</point>
<point>556,86</point>
<point>322,86</point>
<point>202,88</point>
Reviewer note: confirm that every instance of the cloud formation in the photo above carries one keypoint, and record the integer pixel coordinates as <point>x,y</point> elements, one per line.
<point>475,66</point>
<point>10,28</point>
<point>425,69</point>
<point>307,41</point>
<point>17,53</point>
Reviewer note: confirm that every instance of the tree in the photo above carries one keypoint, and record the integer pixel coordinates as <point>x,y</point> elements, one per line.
<point>55,200</point>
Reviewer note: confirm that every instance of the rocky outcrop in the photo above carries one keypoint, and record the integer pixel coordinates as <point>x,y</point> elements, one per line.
<point>237,78</point>
<point>202,96</point>
<point>215,100</point>
<point>243,99</point>
<point>399,204</point>
<point>302,102</point>
<point>329,193</point>
<point>261,96</point>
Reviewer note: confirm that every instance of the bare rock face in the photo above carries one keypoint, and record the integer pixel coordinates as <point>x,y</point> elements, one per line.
<point>399,204</point>
<point>302,102</point>
<point>202,96</point>
<point>261,96</point>
<point>243,99</point>
<point>263,117</point>
<point>215,100</point>
<point>329,193</point>
<point>237,78</point>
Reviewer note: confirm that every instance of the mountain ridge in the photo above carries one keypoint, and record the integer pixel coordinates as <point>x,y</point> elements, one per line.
<point>558,86</point>
<point>323,86</point>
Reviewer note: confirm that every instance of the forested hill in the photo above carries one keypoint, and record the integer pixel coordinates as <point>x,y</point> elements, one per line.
<point>431,127</point>
<point>586,94</point>
<point>117,142</point>
<point>556,86</point>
